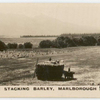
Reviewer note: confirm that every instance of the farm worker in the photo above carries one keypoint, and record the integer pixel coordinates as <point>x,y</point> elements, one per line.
<point>69,69</point>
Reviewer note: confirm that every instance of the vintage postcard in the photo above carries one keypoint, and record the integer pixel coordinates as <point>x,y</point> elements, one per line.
<point>50,50</point>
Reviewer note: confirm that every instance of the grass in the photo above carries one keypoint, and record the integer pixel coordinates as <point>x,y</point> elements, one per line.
<point>84,61</point>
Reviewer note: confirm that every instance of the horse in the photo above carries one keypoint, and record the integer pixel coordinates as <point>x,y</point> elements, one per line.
<point>68,74</point>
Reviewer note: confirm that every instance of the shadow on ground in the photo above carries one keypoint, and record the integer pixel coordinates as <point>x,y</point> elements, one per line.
<point>62,79</point>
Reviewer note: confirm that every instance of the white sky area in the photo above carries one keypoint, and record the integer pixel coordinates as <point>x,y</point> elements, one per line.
<point>48,18</point>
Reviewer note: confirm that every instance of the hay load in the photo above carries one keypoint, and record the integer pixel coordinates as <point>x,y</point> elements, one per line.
<point>49,70</point>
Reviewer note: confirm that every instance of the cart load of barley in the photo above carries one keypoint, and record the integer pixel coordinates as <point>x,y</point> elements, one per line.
<point>49,70</point>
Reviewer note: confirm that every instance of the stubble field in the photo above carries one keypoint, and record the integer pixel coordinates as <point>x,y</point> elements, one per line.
<point>84,61</point>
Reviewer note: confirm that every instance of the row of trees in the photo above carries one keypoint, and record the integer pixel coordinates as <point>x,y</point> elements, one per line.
<point>20,46</point>
<point>59,42</point>
<point>4,46</point>
<point>64,41</point>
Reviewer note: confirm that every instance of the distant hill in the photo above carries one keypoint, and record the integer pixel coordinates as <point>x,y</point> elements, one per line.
<point>12,25</point>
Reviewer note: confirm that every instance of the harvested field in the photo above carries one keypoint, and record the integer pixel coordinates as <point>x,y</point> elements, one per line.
<point>18,70</point>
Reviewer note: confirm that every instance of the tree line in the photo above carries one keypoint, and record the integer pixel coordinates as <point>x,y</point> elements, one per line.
<point>4,46</point>
<point>60,42</point>
<point>65,41</point>
<point>28,36</point>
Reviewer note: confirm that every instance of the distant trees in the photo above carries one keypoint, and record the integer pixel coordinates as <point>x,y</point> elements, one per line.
<point>98,41</point>
<point>12,45</point>
<point>45,44</point>
<point>64,41</point>
<point>20,46</point>
<point>2,46</point>
<point>77,41</point>
<point>28,45</point>
<point>89,41</point>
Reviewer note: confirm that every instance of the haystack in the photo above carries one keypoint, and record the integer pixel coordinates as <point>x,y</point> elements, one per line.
<point>49,70</point>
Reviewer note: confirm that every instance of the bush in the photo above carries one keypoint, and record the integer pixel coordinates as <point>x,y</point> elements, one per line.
<point>28,45</point>
<point>45,44</point>
<point>89,40</point>
<point>64,41</point>
<point>98,41</point>
<point>12,45</point>
<point>60,42</point>
<point>2,46</point>
<point>77,41</point>
<point>20,46</point>
<point>55,44</point>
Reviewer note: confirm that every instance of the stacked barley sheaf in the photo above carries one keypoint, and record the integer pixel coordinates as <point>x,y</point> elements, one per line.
<point>49,70</point>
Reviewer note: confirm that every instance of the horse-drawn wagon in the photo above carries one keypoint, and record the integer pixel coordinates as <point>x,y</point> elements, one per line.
<point>50,70</point>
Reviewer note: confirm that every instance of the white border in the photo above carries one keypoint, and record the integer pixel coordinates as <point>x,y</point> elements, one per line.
<point>46,1</point>
<point>49,1</point>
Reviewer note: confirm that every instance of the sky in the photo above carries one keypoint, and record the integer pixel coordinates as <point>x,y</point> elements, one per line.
<point>18,19</point>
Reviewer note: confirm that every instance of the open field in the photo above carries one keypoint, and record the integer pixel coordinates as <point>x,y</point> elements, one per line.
<point>84,61</point>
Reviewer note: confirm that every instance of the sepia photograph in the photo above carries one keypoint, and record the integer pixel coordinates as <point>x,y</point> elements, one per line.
<point>49,44</point>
